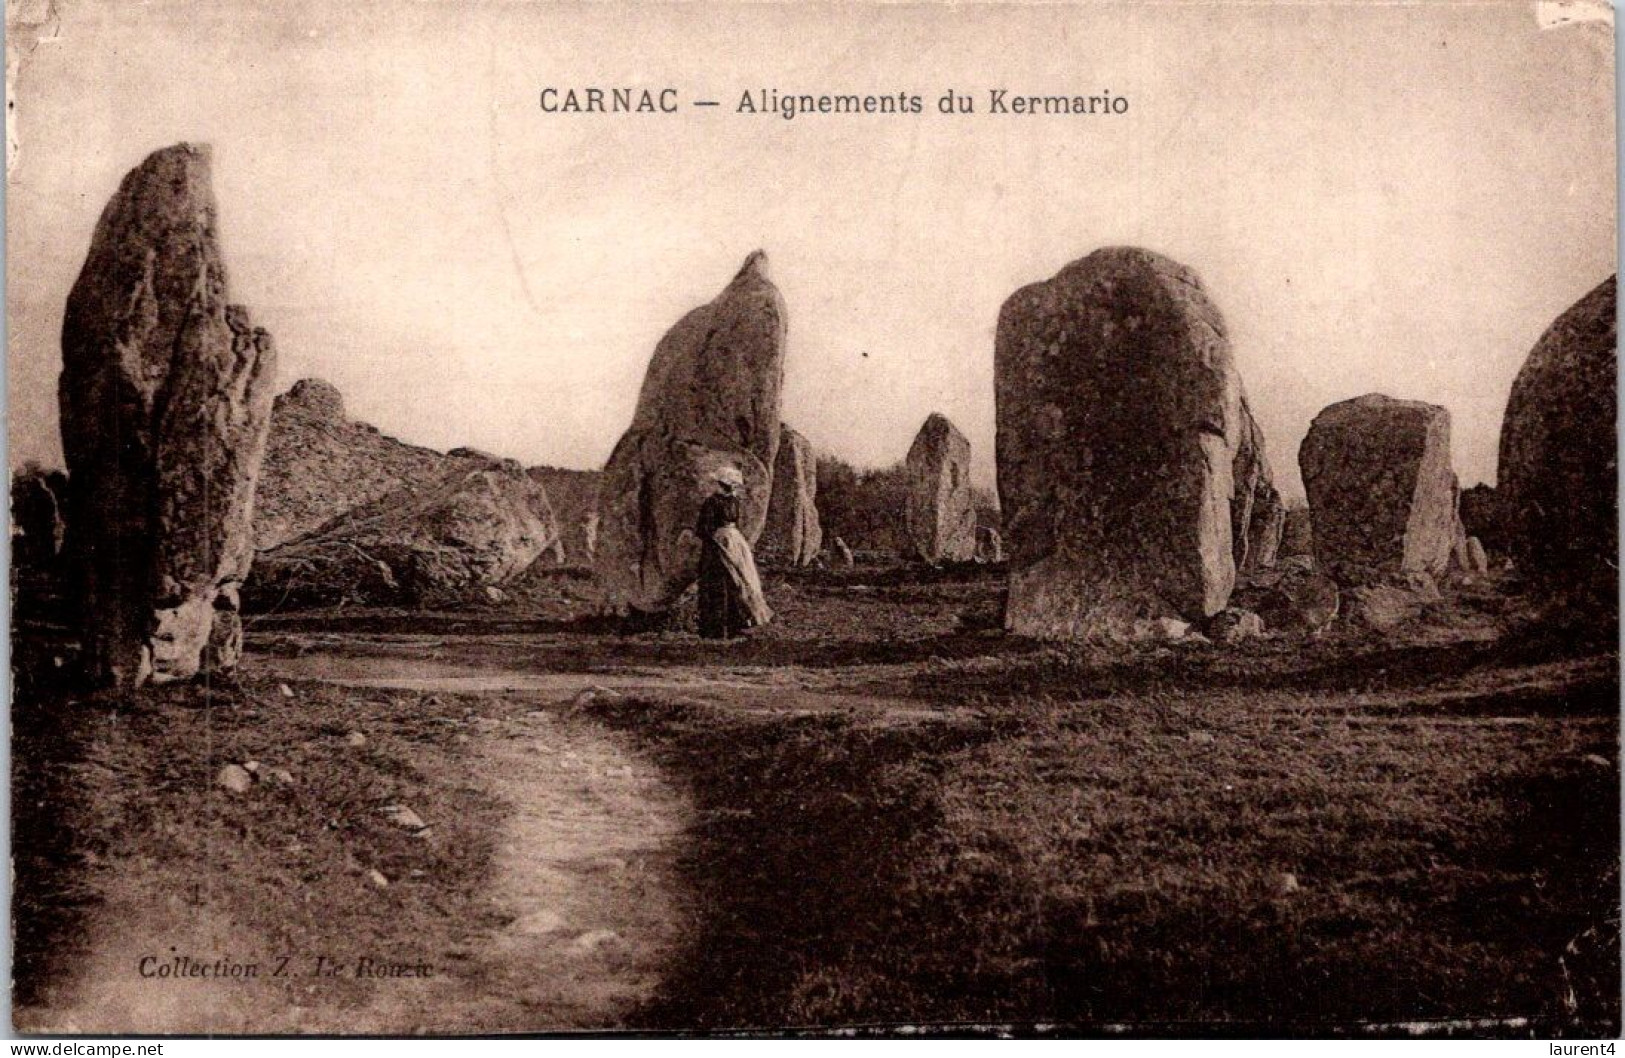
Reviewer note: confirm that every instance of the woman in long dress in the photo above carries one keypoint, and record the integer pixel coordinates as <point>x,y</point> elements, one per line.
<point>730,591</point>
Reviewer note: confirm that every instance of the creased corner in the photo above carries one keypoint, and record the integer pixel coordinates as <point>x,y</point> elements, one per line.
<point>1558,14</point>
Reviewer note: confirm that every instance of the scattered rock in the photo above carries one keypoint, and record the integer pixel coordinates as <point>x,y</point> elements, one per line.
<point>283,776</point>
<point>1119,417</point>
<point>1288,883</point>
<point>1163,628</point>
<point>376,877</point>
<point>941,515</point>
<point>1233,625</point>
<point>844,553</point>
<point>355,740</point>
<point>1201,738</point>
<point>165,398</point>
<point>1560,458</point>
<point>38,524</point>
<point>594,696</point>
<point>1303,601</point>
<point>284,690</point>
<point>1382,608</point>
<point>234,778</point>
<point>539,923</point>
<point>709,406</point>
<point>1381,491</point>
<point>404,817</point>
<point>594,939</point>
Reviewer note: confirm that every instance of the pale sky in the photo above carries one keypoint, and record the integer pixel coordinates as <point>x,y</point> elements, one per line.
<point>1397,198</point>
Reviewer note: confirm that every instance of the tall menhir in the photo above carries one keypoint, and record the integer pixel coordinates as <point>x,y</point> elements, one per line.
<point>165,396</point>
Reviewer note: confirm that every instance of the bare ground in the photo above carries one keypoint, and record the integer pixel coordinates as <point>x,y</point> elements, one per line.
<point>881,811</point>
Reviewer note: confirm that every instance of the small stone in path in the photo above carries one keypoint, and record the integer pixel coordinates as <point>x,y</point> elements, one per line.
<point>234,778</point>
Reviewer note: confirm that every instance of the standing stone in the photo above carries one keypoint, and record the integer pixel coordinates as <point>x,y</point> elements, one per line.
<point>844,553</point>
<point>941,511</point>
<point>1458,532</point>
<point>1481,516</point>
<point>38,527</point>
<point>1119,417</point>
<point>1256,512</point>
<point>1265,528</point>
<point>1558,488</point>
<point>1297,535</point>
<point>1377,471</point>
<point>709,404</point>
<point>165,398</point>
<point>792,535</point>
<point>39,589</point>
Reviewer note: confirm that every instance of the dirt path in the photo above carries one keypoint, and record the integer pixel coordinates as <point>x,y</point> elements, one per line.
<point>585,878</point>
<point>429,675</point>
<point>585,895</point>
<point>588,905</point>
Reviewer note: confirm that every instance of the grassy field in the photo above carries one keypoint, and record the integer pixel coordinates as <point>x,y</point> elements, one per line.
<point>125,846</point>
<point>1344,835</point>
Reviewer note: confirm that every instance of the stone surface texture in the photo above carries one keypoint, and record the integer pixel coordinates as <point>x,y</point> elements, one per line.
<point>709,407</point>
<point>165,401</point>
<point>1119,420</point>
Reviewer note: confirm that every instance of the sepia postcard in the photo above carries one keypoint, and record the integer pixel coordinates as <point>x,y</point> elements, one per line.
<point>1038,519</point>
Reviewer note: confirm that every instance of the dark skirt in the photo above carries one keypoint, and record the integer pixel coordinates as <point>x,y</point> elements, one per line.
<point>721,608</point>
